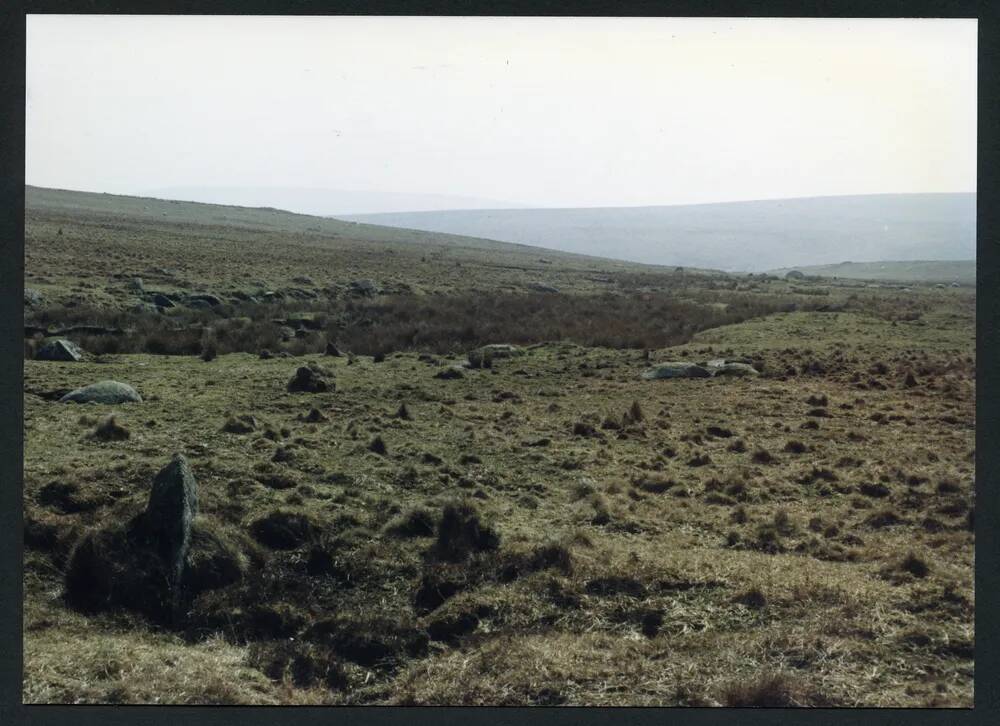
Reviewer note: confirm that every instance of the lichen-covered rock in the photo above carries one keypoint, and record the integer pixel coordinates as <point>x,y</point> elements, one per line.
<point>32,297</point>
<point>110,392</point>
<point>731,367</point>
<point>59,349</point>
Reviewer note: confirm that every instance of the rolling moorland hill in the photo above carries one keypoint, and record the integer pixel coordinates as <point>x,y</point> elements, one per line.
<point>203,242</point>
<point>738,236</point>
<point>960,271</point>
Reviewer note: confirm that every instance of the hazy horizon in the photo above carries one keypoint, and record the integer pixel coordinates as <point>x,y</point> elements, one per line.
<point>465,113</point>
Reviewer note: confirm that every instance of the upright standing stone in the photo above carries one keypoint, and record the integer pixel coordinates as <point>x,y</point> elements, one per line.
<point>173,504</point>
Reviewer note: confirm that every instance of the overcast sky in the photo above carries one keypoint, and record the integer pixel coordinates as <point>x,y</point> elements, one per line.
<point>540,112</point>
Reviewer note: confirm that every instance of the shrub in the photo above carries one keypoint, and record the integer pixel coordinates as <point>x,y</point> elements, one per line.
<point>752,598</point>
<point>461,532</point>
<point>283,530</point>
<point>774,690</point>
<point>110,430</point>
<point>447,323</point>
<point>417,522</point>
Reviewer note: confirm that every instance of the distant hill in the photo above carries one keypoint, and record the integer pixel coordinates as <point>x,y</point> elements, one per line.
<point>737,236</point>
<point>325,202</point>
<point>961,271</point>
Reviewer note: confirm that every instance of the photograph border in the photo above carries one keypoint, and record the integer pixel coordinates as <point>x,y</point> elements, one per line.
<point>987,548</point>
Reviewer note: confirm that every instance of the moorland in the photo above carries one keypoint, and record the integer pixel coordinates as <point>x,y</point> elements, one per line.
<point>431,520</point>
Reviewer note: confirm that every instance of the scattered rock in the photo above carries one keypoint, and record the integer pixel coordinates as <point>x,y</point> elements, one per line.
<point>162,301</point>
<point>110,392</point>
<point>32,297</point>
<point>204,297</point>
<point>59,349</point>
<point>676,369</point>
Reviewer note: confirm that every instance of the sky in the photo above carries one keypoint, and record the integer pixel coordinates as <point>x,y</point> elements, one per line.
<point>546,112</point>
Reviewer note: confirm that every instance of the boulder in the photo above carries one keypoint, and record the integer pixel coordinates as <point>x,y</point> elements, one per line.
<point>332,350</point>
<point>450,373</point>
<point>731,367</point>
<point>32,297</point>
<point>161,300</point>
<point>676,369</point>
<point>173,504</point>
<point>135,284</point>
<point>734,369</point>
<point>310,379</point>
<point>110,392</point>
<point>203,297</point>
<point>59,349</point>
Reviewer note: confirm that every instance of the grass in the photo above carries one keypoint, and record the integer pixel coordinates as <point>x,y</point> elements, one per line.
<point>485,554</point>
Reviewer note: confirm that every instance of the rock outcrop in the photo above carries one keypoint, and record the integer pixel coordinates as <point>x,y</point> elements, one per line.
<point>59,349</point>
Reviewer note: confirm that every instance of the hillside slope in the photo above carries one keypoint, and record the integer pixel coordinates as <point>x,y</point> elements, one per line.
<point>961,271</point>
<point>74,240</point>
<point>752,236</point>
